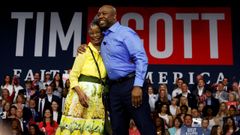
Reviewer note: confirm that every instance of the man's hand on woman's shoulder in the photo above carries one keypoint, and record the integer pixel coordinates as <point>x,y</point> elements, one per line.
<point>82,48</point>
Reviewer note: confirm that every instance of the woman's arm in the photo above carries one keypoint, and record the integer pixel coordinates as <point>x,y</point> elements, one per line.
<point>82,96</point>
<point>74,75</point>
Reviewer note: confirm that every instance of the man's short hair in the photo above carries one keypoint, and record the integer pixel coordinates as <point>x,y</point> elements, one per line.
<point>187,115</point>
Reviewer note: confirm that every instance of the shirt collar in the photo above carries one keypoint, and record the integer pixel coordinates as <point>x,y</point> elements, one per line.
<point>113,28</point>
<point>93,48</point>
<point>185,94</point>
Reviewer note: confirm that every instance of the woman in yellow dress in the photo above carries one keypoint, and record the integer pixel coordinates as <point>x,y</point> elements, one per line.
<point>84,111</point>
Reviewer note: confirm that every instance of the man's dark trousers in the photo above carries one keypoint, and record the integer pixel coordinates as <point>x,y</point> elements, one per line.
<point>121,109</point>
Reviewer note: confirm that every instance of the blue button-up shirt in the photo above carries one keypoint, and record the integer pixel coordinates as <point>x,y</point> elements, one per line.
<point>123,52</point>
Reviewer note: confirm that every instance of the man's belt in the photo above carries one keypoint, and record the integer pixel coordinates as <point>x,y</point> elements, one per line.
<point>123,79</point>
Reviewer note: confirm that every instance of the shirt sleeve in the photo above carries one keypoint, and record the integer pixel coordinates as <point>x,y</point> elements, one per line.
<point>76,70</point>
<point>138,55</point>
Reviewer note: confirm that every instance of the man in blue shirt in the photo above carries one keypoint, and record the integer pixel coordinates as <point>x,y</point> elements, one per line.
<point>187,128</point>
<point>204,129</point>
<point>126,62</point>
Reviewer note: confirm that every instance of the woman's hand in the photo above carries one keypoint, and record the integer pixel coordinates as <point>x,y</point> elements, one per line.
<point>43,129</point>
<point>82,97</point>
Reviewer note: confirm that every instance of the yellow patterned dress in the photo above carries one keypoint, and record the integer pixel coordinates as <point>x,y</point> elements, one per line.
<point>77,120</point>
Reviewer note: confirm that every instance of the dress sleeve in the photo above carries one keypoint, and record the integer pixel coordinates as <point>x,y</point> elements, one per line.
<point>40,125</point>
<point>76,70</point>
<point>55,125</point>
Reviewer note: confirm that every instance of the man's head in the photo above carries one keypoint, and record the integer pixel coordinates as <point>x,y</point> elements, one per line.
<point>28,84</point>
<point>15,80</point>
<point>19,113</point>
<point>198,77</point>
<point>184,88</point>
<point>37,76</point>
<point>180,82</point>
<point>32,103</point>
<point>188,120</point>
<point>209,92</point>
<point>225,81</point>
<point>107,16</point>
<point>235,86</point>
<point>205,123</point>
<point>42,93</point>
<point>195,113</point>
<point>49,90</point>
<point>48,75</point>
<point>220,86</point>
<point>201,83</point>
